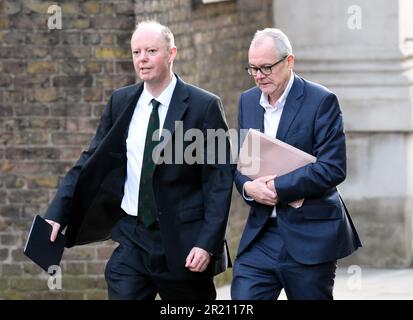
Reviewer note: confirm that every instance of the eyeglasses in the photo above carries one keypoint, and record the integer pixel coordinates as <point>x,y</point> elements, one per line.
<point>265,69</point>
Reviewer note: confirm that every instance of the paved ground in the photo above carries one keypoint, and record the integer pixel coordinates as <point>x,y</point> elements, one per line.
<point>363,284</point>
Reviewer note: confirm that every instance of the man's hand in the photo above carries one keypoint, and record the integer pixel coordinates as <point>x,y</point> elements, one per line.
<point>271,185</point>
<point>260,192</point>
<point>197,260</point>
<point>56,226</point>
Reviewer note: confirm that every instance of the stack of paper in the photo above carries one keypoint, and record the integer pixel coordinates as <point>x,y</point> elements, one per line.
<point>262,155</point>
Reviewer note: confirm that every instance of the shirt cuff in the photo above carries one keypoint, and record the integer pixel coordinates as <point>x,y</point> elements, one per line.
<point>244,195</point>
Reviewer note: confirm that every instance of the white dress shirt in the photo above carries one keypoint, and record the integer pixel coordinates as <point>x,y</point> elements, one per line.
<point>135,142</point>
<point>272,116</point>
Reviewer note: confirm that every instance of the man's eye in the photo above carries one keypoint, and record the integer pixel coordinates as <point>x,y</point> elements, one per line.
<point>266,68</point>
<point>152,51</point>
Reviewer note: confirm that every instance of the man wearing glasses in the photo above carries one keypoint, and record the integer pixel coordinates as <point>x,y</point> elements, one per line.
<point>295,249</point>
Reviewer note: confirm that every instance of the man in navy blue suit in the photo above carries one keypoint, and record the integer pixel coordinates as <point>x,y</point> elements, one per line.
<point>295,249</point>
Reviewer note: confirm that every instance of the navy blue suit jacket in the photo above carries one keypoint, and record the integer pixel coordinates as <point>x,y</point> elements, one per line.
<point>193,200</point>
<point>321,230</point>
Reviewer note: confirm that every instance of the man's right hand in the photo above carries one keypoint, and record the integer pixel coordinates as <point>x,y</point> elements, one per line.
<point>56,226</point>
<point>259,191</point>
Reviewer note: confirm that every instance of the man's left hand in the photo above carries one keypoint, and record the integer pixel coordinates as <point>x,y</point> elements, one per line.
<point>271,185</point>
<point>197,260</point>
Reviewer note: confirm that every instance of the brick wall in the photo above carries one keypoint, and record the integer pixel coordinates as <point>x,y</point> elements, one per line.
<point>53,87</point>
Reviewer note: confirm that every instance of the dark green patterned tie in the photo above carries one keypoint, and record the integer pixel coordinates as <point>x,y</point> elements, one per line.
<point>146,205</point>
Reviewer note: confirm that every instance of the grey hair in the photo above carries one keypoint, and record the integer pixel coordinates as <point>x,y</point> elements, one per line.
<point>280,39</point>
<point>165,31</point>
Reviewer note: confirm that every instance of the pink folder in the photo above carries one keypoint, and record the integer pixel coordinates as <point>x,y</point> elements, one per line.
<point>262,155</point>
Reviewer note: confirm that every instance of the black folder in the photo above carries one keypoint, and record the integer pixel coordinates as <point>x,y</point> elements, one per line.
<point>38,246</point>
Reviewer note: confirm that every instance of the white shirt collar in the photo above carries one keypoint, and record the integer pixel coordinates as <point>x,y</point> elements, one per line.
<point>164,98</point>
<point>281,100</point>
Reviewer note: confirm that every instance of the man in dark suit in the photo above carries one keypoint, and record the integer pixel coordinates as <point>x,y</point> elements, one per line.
<point>283,247</point>
<point>133,184</point>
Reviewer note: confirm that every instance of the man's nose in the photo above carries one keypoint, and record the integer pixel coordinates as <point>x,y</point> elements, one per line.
<point>142,56</point>
<point>259,75</point>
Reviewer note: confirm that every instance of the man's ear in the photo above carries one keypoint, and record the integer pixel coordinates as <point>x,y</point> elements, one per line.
<point>172,54</point>
<point>290,61</point>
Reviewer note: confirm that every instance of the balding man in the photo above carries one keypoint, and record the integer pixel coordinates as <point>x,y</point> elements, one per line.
<point>169,217</point>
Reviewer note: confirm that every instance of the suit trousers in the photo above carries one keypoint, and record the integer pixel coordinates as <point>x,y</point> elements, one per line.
<point>137,269</point>
<point>265,268</point>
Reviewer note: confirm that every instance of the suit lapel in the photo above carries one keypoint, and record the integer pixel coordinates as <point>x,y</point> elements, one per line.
<point>291,107</point>
<point>125,117</point>
<point>177,107</point>
<point>122,111</point>
<point>258,121</point>
<point>176,111</point>
<point>131,99</point>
